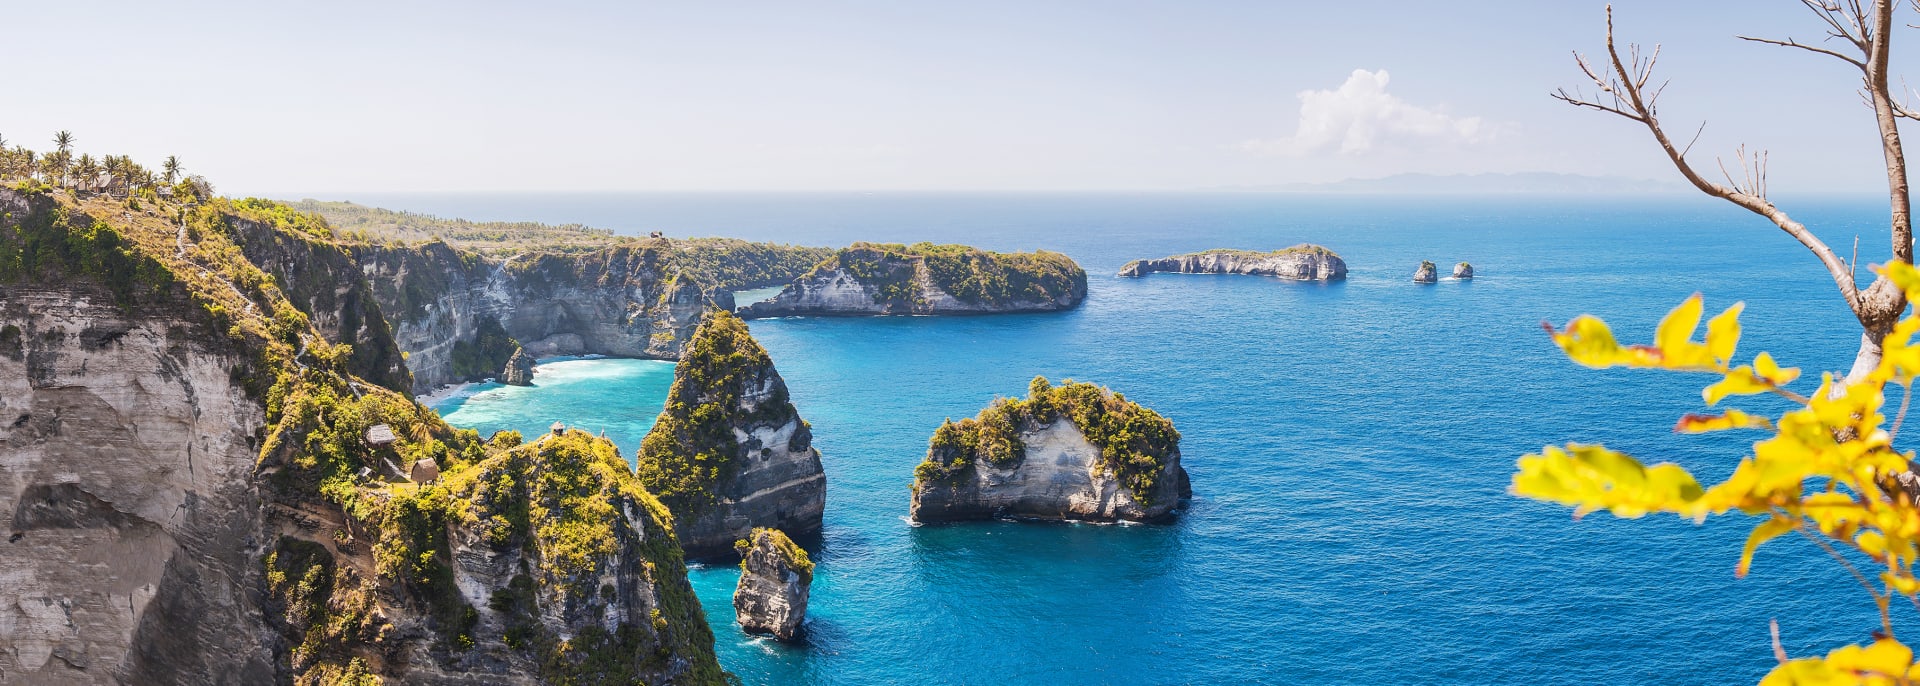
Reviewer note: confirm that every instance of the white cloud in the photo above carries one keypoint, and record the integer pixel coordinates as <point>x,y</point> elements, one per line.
<point>1361,117</point>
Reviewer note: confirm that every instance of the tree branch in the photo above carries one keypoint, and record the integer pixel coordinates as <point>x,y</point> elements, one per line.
<point>1790,43</point>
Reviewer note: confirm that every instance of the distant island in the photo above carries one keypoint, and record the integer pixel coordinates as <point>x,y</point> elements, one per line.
<point>1304,262</point>
<point>1523,183</point>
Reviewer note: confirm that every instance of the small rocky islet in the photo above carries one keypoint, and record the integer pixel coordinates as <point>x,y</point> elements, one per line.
<point>1076,451</point>
<point>1304,262</point>
<point>776,577</point>
<point>1427,272</point>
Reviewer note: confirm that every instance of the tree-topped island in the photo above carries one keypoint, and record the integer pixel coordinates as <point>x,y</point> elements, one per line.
<point>1303,262</point>
<point>925,278</point>
<point>1075,451</point>
<point>729,452</point>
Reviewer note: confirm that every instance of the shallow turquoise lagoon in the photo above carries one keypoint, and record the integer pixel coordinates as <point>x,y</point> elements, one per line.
<point>620,398</point>
<point>1350,444</point>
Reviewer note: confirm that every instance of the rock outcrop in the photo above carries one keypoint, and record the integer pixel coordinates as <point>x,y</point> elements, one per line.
<point>775,578</point>
<point>1463,271</point>
<point>188,494</point>
<point>519,369</point>
<point>1044,458</point>
<point>622,301</point>
<point>729,452</point>
<point>927,279</point>
<point>1427,273</point>
<point>1303,262</point>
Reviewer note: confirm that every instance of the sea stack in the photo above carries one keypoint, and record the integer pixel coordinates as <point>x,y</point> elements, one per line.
<point>519,369</point>
<point>928,279</point>
<point>729,452</point>
<point>775,578</point>
<point>1427,273</point>
<point>1302,262</point>
<point>1463,271</point>
<point>1076,451</point>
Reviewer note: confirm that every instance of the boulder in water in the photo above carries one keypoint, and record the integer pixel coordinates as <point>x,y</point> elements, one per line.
<point>1463,271</point>
<point>519,369</point>
<point>775,579</point>
<point>1427,273</point>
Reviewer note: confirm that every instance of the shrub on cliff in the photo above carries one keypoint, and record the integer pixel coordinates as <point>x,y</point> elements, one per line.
<point>1134,442</point>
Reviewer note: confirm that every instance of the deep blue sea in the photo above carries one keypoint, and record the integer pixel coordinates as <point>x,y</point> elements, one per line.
<point>1350,444</point>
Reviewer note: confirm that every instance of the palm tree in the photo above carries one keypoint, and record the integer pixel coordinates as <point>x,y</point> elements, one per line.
<point>63,141</point>
<point>88,170</point>
<point>172,168</point>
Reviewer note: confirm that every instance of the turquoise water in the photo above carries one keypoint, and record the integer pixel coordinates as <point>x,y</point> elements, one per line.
<point>619,398</point>
<point>1350,444</point>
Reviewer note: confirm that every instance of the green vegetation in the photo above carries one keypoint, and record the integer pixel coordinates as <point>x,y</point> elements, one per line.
<point>796,556</point>
<point>738,265</point>
<point>565,501</point>
<point>970,274</point>
<point>731,263</point>
<point>1135,442</point>
<point>373,224</point>
<point>324,610</point>
<point>691,449</point>
<point>486,354</point>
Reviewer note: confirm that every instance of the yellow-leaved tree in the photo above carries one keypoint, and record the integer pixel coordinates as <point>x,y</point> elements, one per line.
<point>1826,471</point>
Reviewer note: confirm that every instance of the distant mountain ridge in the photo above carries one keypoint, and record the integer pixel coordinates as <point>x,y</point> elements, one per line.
<point>1515,183</point>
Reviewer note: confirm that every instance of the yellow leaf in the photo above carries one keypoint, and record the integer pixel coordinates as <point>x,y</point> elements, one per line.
<point>1764,366</point>
<point>1766,531</point>
<point>1676,329</point>
<point>1740,381</point>
<point>1732,419</point>
<point>1591,477</point>
<point>1723,333</point>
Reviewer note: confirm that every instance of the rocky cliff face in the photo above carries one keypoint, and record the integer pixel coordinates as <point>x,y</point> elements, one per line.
<point>767,474</point>
<point>615,301</point>
<point>188,497</point>
<point>1302,262</point>
<point>925,279</point>
<point>1042,458</point>
<point>127,500</point>
<point>775,579</point>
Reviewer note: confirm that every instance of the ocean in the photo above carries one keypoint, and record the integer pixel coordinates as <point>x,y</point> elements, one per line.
<point>1350,444</point>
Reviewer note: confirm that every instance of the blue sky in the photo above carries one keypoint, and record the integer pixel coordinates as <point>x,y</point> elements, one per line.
<point>315,98</point>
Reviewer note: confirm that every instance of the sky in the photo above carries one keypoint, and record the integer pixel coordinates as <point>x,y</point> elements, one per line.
<point>323,99</point>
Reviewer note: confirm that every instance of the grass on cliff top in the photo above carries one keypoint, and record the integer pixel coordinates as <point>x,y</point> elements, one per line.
<point>691,448</point>
<point>970,274</point>
<point>1135,442</point>
<point>795,556</point>
<point>732,263</point>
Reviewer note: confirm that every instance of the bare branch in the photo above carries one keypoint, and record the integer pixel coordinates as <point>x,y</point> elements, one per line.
<point>1626,87</point>
<point>1791,43</point>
